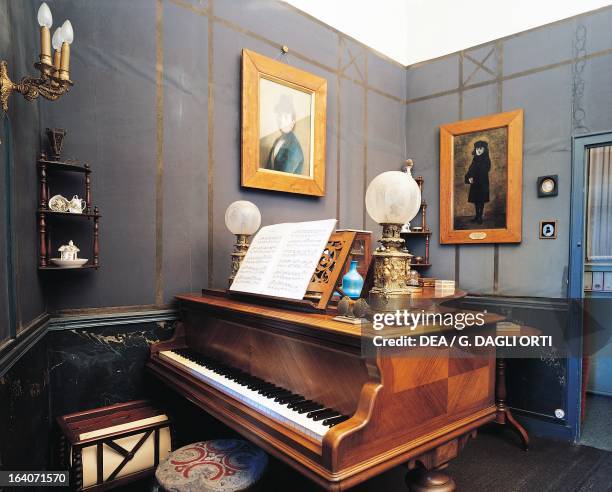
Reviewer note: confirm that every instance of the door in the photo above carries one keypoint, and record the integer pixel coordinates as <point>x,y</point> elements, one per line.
<point>590,278</point>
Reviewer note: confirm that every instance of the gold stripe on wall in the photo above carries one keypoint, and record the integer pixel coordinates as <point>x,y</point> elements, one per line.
<point>189,6</point>
<point>211,134</point>
<point>459,117</point>
<point>338,139</point>
<point>500,105</point>
<point>365,135</point>
<point>159,173</point>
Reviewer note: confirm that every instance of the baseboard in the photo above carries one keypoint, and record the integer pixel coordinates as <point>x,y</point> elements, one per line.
<point>600,393</point>
<point>545,428</point>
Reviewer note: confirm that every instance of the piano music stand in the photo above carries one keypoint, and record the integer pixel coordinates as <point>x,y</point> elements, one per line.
<point>324,280</point>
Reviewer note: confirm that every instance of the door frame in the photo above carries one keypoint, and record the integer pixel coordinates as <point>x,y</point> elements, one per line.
<point>575,292</point>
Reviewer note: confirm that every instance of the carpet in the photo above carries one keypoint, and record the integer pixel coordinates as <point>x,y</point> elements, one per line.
<point>597,427</point>
<point>493,462</point>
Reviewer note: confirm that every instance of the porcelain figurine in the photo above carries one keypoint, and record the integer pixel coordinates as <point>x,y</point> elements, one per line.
<point>69,251</point>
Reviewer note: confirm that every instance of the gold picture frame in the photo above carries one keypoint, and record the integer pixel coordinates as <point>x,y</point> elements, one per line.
<point>283,127</point>
<point>481,166</point>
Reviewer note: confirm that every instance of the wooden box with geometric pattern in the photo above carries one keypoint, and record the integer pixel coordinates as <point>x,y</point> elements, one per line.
<point>110,446</point>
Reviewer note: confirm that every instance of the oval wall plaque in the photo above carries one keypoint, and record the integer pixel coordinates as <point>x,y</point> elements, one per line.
<point>478,235</point>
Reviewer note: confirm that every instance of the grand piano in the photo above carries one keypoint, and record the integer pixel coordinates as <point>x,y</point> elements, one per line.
<point>296,384</point>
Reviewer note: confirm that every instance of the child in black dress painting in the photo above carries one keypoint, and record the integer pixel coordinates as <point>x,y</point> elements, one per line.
<point>478,179</point>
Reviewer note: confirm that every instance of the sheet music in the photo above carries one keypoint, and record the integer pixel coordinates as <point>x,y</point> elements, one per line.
<point>282,258</point>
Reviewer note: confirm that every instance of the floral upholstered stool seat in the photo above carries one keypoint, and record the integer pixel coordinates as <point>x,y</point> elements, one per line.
<point>222,465</point>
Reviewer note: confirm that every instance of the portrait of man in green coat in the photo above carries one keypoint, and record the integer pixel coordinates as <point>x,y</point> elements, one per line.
<point>286,154</point>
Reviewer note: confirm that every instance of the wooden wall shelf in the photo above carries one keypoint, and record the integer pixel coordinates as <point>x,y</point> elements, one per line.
<point>46,164</point>
<point>84,215</point>
<point>74,166</point>
<point>87,266</point>
<point>424,234</point>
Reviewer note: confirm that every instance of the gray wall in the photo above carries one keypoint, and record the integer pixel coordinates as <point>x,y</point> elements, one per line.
<point>155,111</point>
<point>21,298</point>
<point>561,75</point>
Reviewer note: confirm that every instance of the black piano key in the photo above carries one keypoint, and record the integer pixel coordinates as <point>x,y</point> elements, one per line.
<point>259,385</point>
<point>288,399</point>
<point>299,404</point>
<point>330,422</point>
<point>273,393</point>
<point>311,408</point>
<point>322,414</point>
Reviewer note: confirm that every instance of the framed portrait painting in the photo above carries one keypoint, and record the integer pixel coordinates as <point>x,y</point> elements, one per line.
<point>283,127</point>
<point>481,165</point>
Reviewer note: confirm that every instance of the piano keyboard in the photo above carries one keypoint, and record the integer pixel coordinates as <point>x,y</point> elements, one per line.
<point>293,410</point>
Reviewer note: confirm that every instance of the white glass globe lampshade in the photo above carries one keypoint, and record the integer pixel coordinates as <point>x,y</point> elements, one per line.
<point>242,217</point>
<point>57,39</point>
<point>393,197</point>
<point>67,32</point>
<point>44,16</point>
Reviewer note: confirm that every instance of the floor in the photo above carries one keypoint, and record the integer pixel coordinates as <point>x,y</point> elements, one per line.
<point>597,426</point>
<point>493,462</point>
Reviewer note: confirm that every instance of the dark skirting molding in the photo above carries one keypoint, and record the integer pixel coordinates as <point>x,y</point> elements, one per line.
<point>110,319</point>
<point>15,348</point>
<point>541,303</point>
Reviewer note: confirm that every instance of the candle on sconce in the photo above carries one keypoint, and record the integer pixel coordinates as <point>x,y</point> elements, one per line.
<point>45,21</point>
<point>67,38</point>
<point>57,41</point>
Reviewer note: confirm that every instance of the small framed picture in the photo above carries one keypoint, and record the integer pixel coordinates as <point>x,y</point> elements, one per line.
<point>548,229</point>
<point>588,281</point>
<point>597,281</point>
<point>607,284</point>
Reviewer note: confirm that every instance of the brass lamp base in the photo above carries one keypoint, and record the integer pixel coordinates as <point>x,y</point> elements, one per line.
<point>391,266</point>
<point>240,250</point>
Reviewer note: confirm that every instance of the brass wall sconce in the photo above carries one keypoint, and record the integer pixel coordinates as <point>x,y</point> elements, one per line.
<point>242,218</point>
<point>54,80</point>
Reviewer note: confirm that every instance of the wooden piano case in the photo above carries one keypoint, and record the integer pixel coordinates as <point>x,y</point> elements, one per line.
<point>403,409</point>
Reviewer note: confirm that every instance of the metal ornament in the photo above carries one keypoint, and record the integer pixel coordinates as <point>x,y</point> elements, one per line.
<point>56,140</point>
<point>240,250</point>
<point>391,265</point>
<point>48,85</point>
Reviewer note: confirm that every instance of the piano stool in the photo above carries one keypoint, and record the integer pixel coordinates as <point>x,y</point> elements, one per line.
<point>220,465</point>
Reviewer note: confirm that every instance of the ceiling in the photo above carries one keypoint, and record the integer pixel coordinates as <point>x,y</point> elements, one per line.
<point>411,31</point>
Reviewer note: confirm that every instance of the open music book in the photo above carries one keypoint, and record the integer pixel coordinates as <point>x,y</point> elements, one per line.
<point>282,259</point>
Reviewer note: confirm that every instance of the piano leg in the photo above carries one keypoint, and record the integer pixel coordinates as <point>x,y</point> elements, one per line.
<point>423,480</point>
<point>425,473</point>
<point>504,416</point>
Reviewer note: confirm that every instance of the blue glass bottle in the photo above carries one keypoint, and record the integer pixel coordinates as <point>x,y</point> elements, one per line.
<point>352,282</point>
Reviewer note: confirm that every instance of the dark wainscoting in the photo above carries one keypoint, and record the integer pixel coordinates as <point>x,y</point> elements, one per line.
<point>537,387</point>
<point>93,367</point>
<point>69,364</point>
<point>24,411</point>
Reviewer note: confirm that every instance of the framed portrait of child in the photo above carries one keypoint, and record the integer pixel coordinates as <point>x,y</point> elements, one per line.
<point>481,164</point>
<point>283,127</point>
